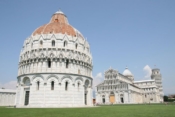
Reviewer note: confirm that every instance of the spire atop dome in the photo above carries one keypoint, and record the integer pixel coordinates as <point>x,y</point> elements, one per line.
<point>126,67</point>
<point>59,12</point>
<point>60,17</point>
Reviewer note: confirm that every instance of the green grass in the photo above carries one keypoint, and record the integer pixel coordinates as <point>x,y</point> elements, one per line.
<point>153,110</point>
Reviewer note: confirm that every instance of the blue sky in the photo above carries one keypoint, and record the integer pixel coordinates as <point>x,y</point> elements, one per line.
<point>133,33</point>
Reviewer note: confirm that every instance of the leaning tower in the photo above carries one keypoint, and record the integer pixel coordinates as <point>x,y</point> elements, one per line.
<point>55,67</point>
<point>156,75</point>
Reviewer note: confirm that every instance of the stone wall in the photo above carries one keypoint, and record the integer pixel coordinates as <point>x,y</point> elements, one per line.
<point>7,97</point>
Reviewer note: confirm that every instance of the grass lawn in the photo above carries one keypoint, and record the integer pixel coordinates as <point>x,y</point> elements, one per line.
<point>155,110</point>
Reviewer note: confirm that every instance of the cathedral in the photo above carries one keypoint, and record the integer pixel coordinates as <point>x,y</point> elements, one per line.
<point>120,88</point>
<point>55,67</point>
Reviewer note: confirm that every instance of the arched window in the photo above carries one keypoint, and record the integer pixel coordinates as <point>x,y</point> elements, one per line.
<point>86,83</point>
<point>67,63</point>
<point>52,85</point>
<point>41,43</point>
<point>37,88</point>
<point>76,46</point>
<point>26,81</point>
<point>56,20</point>
<point>53,43</point>
<point>49,63</point>
<point>78,85</point>
<point>66,86</point>
<point>65,44</point>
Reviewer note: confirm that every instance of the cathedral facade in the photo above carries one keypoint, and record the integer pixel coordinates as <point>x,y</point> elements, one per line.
<point>120,88</point>
<point>55,67</point>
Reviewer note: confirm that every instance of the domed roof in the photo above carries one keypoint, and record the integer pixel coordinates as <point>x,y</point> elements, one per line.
<point>126,72</point>
<point>57,24</point>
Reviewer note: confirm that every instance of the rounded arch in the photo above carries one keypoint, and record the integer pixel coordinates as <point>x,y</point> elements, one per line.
<point>53,75</point>
<point>26,81</point>
<point>78,78</point>
<point>121,95</point>
<point>52,80</point>
<point>68,81</point>
<point>52,55</point>
<point>87,82</point>
<point>67,76</point>
<point>42,55</point>
<point>61,55</point>
<point>37,76</point>
<point>38,79</point>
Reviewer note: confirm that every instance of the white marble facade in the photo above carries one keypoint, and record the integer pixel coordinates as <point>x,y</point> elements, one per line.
<point>120,88</point>
<point>46,95</point>
<point>55,67</point>
<point>7,97</point>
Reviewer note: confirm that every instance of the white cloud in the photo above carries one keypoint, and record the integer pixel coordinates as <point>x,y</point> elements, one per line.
<point>148,71</point>
<point>9,85</point>
<point>99,75</point>
<point>97,79</point>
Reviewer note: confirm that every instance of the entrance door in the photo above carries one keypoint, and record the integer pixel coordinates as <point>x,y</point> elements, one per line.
<point>112,98</point>
<point>85,99</point>
<point>103,100</point>
<point>122,100</point>
<point>26,102</point>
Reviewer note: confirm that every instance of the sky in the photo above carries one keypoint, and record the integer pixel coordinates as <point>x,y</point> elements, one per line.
<point>139,34</point>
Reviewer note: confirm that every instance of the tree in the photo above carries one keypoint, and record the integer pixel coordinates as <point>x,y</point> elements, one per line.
<point>165,98</point>
<point>173,96</point>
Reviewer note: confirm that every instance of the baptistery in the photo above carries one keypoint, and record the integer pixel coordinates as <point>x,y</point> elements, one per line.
<point>55,67</point>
